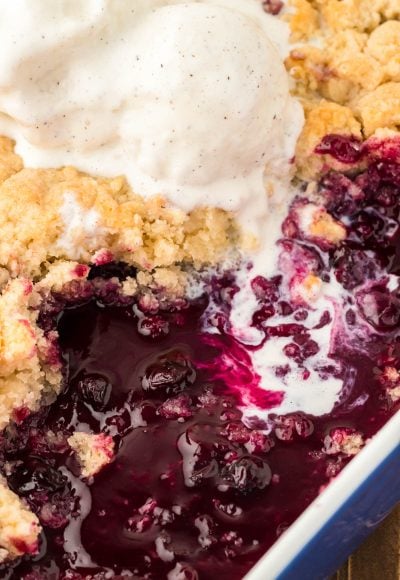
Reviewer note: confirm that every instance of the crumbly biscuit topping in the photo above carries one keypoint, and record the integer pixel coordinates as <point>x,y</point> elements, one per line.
<point>346,68</point>
<point>19,527</point>
<point>93,451</point>
<point>50,214</point>
<point>26,369</point>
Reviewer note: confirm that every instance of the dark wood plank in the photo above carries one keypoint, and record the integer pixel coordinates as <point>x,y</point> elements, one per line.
<point>379,557</point>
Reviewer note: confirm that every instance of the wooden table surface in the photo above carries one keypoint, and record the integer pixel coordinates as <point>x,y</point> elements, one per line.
<point>379,557</point>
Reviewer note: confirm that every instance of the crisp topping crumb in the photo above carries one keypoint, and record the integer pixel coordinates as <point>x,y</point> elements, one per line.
<point>93,451</point>
<point>25,370</point>
<point>19,527</point>
<point>390,380</point>
<point>348,54</point>
<point>316,222</point>
<point>306,290</point>
<point>343,440</point>
<point>65,215</point>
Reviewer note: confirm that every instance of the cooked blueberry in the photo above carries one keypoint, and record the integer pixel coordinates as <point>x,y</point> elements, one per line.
<point>49,310</point>
<point>206,468</point>
<point>170,374</point>
<point>55,513</point>
<point>284,308</point>
<point>185,572</point>
<point>380,307</point>
<point>310,348</point>
<point>95,390</point>
<point>202,450</point>
<point>107,291</point>
<point>353,267</point>
<point>119,270</point>
<point>295,425</point>
<point>36,476</point>
<point>386,196</point>
<point>153,326</point>
<point>77,291</point>
<point>286,330</point>
<point>265,289</point>
<point>343,197</point>
<point>301,315</point>
<point>324,319</point>
<point>263,314</point>
<point>293,351</point>
<point>388,172</point>
<point>247,473</point>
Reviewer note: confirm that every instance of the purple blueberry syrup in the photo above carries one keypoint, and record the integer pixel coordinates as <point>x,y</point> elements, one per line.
<point>191,488</point>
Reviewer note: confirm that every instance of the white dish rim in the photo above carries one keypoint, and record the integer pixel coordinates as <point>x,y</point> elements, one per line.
<point>321,510</point>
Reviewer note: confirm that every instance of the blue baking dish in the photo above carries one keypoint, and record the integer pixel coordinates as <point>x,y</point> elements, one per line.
<point>341,517</point>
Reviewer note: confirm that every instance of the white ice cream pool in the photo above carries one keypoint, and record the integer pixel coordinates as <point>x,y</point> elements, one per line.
<point>186,99</point>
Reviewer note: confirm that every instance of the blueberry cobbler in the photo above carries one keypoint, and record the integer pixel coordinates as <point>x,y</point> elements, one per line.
<point>199,275</point>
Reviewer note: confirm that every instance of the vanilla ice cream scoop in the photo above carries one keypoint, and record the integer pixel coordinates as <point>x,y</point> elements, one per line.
<point>187,99</point>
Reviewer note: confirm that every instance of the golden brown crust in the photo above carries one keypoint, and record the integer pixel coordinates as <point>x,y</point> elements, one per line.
<point>10,162</point>
<point>25,371</point>
<point>321,119</point>
<point>19,527</point>
<point>387,114</point>
<point>349,55</point>
<point>35,205</point>
<point>93,451</point>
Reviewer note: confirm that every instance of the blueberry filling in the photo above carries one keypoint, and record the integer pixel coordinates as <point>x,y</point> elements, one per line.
<point>192,486</point>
